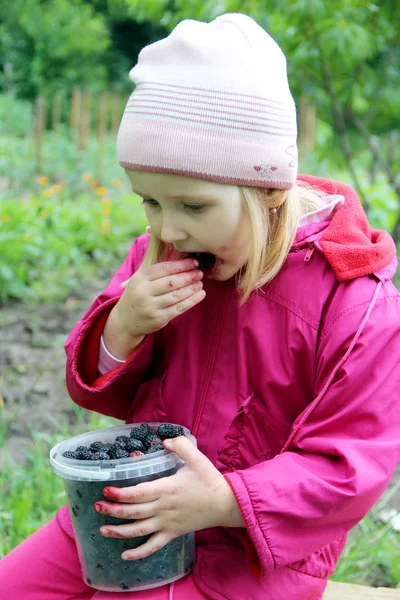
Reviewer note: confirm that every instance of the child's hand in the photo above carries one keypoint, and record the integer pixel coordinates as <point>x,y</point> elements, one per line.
<point>196,497</point>
<point>153,296</point>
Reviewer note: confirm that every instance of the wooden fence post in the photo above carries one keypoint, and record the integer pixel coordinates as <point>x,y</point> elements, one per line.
<point>101,132</point>
<point>75,109</point>
<point>56,113</point>
<point>116,113</point>
<point>38,129</point>
<point>393,148</point>
<point>307,127</point>
<point>84,129</point>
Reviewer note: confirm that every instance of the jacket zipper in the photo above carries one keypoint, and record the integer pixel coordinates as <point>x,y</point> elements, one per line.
<point>211,362</point>
<point>309,252</point>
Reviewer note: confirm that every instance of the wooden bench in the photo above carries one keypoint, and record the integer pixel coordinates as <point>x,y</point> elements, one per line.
<point>348,591</point>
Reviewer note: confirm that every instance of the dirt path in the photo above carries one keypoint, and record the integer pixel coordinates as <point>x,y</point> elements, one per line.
<point>32,368</point>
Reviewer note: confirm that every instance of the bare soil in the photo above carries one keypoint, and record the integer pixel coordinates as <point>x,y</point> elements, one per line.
<point>32,371</point>
<point>32,367</point>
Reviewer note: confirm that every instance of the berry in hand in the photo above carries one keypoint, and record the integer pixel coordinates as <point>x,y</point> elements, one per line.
<point>206,260</point>
<point>167,431</point>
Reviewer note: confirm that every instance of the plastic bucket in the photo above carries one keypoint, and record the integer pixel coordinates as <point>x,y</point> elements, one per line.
<point>100,557</point>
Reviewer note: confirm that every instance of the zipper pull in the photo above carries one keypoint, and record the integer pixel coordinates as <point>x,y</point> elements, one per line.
<point>309,253</point>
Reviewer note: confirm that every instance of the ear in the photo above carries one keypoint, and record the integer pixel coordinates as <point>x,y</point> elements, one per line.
<point>278,200</point>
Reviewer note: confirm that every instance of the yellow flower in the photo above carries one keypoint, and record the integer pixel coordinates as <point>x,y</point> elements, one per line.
<point>57,188</point>
<point>106,201</point>
<point>44,213</point>
<point>105,211</point>
<point>93,185</point>
<point>42,180</point>
<point>5,218</point>
<point>26,237</point>
<point>48,192</point>
<point>105,226</point>
<point>101,190</point>
<point>87,177</point>
<point>117,182</point>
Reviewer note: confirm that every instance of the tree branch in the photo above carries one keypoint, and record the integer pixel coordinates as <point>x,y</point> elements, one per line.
<point>341,128</point>
<point>379,158</point>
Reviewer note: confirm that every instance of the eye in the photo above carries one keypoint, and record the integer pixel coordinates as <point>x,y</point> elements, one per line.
<point>150,202</point>
<point>194,207</point>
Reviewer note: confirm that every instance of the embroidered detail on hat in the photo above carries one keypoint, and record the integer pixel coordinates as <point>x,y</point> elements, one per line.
<point>292,162</point>
<point>263,170</point>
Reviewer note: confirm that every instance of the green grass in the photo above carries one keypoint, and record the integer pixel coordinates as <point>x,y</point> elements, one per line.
<point>31,493</point>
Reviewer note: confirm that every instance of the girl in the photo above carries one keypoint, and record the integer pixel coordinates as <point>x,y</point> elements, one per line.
<point>281,354</point>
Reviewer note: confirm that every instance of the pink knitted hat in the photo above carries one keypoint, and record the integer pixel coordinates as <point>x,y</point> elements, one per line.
<point>212,101</point>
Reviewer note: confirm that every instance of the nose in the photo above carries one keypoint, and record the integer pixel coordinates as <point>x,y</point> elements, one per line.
<point>171,232</point>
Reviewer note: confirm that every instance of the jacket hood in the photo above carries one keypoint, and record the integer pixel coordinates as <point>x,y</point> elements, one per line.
<point>349,244</point>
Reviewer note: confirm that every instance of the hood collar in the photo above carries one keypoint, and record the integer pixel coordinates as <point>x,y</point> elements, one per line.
<point>349,244</point>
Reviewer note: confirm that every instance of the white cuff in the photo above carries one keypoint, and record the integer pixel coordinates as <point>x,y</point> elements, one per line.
<point>107,362</point>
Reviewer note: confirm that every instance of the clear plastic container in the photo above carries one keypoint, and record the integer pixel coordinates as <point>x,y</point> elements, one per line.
<point>100,557</point>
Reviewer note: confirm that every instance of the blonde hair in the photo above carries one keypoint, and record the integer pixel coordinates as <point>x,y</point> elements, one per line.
<point>272,233</point>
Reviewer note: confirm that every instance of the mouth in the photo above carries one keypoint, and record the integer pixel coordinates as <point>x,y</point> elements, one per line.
<point>208,262</point>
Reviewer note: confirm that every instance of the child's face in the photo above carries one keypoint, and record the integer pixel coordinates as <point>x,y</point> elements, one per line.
<point>193,215</point>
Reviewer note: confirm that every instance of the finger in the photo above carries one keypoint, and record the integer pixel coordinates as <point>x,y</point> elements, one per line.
<point>168,300</point>
<point>126,511</point>
<point>156,542</point>
<point>169,267</point>
<point>141,493</point>
<point>130,530</point>
<point>187,451</point>
<point>181,307</point>
<point>176,281</point>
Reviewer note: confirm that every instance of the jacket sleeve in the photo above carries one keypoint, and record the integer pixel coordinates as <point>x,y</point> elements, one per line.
<point>112,393</point>
<point>344,451</point>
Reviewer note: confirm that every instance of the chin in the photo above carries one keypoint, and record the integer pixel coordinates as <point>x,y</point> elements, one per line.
<point>222,274</point>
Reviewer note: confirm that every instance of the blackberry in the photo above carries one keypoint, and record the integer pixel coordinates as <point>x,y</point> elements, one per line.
<point>122,441</point>
<point>155,448</point>
<point>205,260</point>
<point>69,454</point>
<point>100,456</point>
<point>166,431</point>
<point>144,433</point>
<point>83,453</point>
<point>155,440</point>
<point>134,445</point>
<point>112,450</point>
<point>119,452</point>
<point>98,447</point>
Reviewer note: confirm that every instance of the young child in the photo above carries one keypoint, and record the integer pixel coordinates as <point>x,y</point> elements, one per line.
<point>259,312</point>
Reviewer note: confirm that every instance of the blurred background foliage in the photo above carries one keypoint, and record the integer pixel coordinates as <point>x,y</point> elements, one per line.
<point>60,56</point>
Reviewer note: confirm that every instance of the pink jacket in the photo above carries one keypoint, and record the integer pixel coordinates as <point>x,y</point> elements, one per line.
<point>294,396</point>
